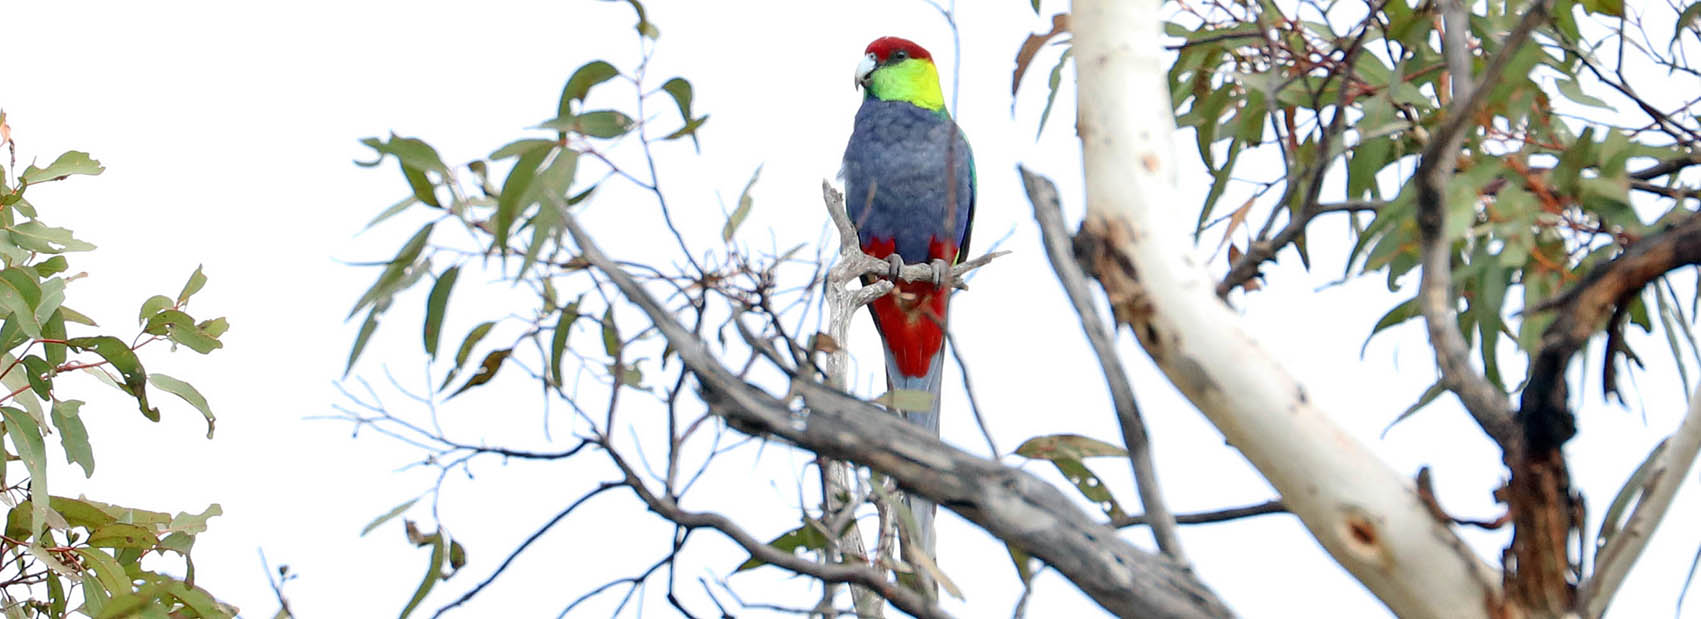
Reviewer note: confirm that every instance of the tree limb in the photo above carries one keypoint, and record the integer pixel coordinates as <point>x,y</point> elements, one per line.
<point>1369,518</point>
<point>1670,470</point>
<point>1011,504</point>
<point>1048,211</point>
<point>1485,402</point>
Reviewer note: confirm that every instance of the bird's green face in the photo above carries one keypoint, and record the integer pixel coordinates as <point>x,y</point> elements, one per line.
<point>894,69</point>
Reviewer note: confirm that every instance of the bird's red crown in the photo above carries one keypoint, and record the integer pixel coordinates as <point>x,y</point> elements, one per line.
<point>884,48</point>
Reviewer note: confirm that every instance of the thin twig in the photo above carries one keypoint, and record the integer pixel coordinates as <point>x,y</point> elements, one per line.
<point>1272,506</point>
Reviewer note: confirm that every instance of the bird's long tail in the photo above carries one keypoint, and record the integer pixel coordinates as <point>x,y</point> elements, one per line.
<point>922,509</point>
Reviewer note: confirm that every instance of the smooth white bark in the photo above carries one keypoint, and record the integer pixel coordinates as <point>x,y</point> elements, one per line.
<point>1368,517</point>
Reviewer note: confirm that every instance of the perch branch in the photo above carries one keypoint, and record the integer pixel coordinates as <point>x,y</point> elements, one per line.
<point>1011,504</point>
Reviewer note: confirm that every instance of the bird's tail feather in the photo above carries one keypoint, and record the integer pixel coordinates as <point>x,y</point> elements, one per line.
<point>921,509</point>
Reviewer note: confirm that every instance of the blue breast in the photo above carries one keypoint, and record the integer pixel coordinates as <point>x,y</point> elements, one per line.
<point>921,185</point>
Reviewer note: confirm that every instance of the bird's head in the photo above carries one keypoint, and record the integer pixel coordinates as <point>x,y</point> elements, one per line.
<point>896,69</point>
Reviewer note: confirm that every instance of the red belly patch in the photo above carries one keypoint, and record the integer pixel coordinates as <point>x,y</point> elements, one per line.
<point>911,316</point>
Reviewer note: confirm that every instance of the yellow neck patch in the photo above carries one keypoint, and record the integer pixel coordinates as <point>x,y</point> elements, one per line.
<point>915,81</point>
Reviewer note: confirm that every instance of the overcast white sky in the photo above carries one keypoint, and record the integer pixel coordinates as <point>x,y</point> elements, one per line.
<point>228,131</point>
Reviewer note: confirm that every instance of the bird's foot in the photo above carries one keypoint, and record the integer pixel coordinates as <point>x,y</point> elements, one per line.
<point>941,272</point>
<point>897,263</point>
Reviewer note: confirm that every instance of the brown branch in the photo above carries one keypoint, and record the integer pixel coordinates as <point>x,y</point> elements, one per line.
<point>1675,193</point>
<point>1668,166</point>
<point>1043,194</point>
<point>1586,309</point>
<point>1011,504</point>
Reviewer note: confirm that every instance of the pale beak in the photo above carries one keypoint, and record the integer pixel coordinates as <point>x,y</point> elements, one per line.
<point>864,69</point>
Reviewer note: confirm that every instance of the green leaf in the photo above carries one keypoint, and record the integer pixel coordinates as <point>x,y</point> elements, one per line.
<point>73,436</point>
<point>389,515</point>
<point>486,370</point>
<point>124,360</point>
<point>466,349</point>
<point>598,124</point>
<point>514,198</point>
<point>123,535</point>
<point>394,270</point>
<point>558,341</point>
<point>188,393</point>
<point>680,90</point>
<point>38,237</point>
<point>1401,313</point>
<point>215,327</point>
<point>744,202</point>
<point>1429,395</point>
<point>40,376</point>
<point>579,86</point>
<point>72,162</point>
<point>54,329</point>
<point>690,129</point>
<point>1574,91</point>
<point>421,186</point>
<point>392,211</point>
<point>1685,19</point>
<point>435,306</point>
<point>610,333</point>
<point>1089,485</point>
<point>433,573</point>
<point>809,536</point>
<point>1067,446</point>
<point>106,569</point>
<point>1024,562</point>
<point>1054,83</point>
<point>644,27</point>
<point>152,306</point>
<point>181,328</point>
<point>196,281</point>
<point>521,147</point>
<point>51,266</point>
<point>16,303</point>
<point>32,450</point>
<point>367,328</point>
<point>1614,8</point>
<point>913,400</point>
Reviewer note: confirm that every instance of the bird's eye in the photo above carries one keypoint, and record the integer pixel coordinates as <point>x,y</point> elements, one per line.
<point>900,54</point>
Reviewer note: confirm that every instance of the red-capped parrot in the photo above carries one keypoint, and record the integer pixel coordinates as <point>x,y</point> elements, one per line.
<point>910,190</point>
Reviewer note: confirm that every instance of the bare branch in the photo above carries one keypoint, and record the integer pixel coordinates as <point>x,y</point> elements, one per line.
<point>1485,402</point>
<point>1043,194</point>
<point>1670,470</point>
<point>875,580</point>
<point>1009,503</point>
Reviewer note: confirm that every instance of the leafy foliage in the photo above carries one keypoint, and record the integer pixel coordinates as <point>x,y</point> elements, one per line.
<point>69,556</point>
<point>1545,180</point>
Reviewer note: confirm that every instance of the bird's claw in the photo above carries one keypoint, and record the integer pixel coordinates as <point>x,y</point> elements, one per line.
<point>897,263</point>
<point>941,272</point>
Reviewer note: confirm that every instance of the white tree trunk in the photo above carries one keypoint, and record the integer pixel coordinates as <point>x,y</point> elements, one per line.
<point>1366,515</point>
